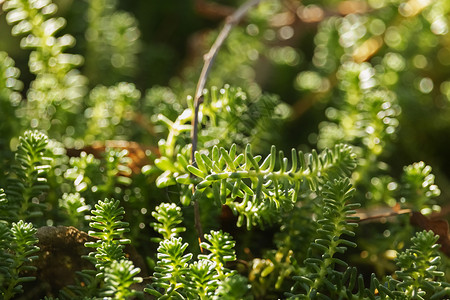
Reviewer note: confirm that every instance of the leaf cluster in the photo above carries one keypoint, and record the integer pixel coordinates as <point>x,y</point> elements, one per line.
<point>264,188</point>
<point>177,275</point>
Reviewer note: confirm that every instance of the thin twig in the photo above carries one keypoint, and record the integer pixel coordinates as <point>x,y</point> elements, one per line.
<point>209,57</point>
<point>363,217</point>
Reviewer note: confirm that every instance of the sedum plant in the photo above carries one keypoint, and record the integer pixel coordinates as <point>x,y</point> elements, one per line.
<point>419,275</point>
<point>27,184</point>
<point>224,173</point>
<point>177,275</point>
<point>209,208</point>
<point>336,221</point>
<point>57,84</point>
<point>119,278</point>
<point>114,273</point>
<point>106,220</point>
<point>18,249</point>
<point>168,216</point>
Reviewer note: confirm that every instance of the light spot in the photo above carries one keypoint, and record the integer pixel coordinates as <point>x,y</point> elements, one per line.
<point>426,85</point>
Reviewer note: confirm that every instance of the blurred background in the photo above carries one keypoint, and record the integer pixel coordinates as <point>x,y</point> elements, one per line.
<point>374,74</point>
